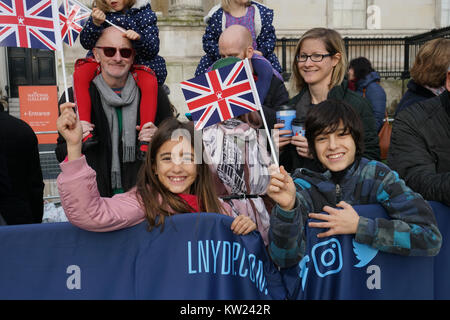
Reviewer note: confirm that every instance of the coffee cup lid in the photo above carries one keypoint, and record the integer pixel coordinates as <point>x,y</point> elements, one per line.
<point>285,107</point>
<point>298,120</point>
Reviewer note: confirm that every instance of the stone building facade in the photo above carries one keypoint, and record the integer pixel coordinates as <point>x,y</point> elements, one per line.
<point>181,29</point>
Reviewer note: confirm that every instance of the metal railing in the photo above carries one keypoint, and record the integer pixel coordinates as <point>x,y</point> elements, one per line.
<point>391,57</point>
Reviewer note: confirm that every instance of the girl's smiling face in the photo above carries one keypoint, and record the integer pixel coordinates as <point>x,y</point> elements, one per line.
<point>175,165</point>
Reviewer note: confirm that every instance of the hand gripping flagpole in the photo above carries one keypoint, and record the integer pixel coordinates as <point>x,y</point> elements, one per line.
<point>248,69</point>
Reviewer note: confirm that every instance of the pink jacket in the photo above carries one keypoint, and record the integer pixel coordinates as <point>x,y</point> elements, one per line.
<point>85,208</point>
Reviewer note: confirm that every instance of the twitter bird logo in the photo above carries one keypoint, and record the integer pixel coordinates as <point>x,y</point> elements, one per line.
<point>363,253</point>
<point>304,270</point>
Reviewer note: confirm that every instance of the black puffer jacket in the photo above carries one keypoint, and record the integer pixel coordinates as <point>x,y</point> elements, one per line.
<point>21,183</point>
<point>420,147</point>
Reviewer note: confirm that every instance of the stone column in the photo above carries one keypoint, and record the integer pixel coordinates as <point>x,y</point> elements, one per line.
<point>185,8</point>
<point>180,34</point>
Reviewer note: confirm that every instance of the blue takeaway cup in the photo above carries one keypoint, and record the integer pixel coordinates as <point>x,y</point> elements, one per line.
<point>286,114</point>
<point>298,127</point>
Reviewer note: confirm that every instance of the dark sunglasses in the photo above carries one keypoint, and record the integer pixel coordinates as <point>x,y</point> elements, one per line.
<point>111,52</point>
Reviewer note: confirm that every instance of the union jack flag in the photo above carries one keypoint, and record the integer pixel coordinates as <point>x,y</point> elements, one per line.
<point>29,24</point>
<point>221,94</point>
<point>72,17</point>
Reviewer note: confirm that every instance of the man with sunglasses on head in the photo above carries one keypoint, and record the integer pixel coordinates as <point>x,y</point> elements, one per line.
<point>116,102</point>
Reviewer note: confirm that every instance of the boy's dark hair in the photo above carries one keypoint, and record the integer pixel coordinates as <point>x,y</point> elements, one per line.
<point>326,117</point>
<point>361,67</point>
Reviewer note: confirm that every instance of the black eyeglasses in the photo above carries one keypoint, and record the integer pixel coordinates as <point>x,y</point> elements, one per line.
<point>111,52</point>
<point>315,57</point>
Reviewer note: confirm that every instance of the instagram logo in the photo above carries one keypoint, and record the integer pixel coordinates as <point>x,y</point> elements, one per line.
<point>327,257</point>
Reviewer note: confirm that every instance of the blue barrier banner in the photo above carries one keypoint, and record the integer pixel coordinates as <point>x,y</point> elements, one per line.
<point>442,260</point>
<point>195,257</point>
<point>337,267</point>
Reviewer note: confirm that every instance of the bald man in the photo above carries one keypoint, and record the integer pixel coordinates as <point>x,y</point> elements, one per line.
<point>236,41</point>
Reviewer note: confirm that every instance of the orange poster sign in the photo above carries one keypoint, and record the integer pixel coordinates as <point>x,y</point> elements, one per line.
<point>39,108</point>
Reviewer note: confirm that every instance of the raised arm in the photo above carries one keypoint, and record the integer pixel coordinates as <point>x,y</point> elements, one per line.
<point>69,127</point>
<point>78,189</point>
<point>286,236</point>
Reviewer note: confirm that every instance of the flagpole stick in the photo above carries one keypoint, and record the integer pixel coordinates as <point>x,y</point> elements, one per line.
<point>58,42</point>
<point>66,91</point>
<point>258,103</point>
<point>61,47</point>
<point>117,27</point>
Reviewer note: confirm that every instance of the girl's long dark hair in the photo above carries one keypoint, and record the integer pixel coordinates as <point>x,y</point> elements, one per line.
<point>157,201</point>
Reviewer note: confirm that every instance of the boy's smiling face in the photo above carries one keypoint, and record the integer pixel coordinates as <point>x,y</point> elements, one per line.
<point>335,150</point>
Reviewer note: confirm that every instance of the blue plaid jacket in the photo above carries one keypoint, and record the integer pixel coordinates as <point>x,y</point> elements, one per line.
<point>411,231</point>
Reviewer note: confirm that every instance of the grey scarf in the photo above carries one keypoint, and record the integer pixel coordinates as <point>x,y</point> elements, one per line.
<point>128,100</point>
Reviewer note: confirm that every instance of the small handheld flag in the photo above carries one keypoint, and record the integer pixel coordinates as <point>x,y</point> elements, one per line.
<point>29,24</point>
<point>220,94</point>
<point>72,17</point>
<point>223,94</point>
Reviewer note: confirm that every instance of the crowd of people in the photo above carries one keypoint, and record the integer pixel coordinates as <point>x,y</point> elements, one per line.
<point>126,158</point>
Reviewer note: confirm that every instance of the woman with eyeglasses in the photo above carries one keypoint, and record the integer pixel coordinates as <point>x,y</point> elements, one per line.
<point>318,72</point>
